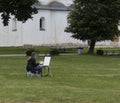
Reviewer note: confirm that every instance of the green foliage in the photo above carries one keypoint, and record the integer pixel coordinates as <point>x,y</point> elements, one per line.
<point>94,20</point>
<point>100,52</point>
<point>38,49</point>
<point>21,9</point>
<point>54,52</point>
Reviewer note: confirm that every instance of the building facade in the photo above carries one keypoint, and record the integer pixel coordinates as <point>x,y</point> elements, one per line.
<point>46,28</point>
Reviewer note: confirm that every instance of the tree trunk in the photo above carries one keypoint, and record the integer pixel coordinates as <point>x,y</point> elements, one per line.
<point>92,46</point>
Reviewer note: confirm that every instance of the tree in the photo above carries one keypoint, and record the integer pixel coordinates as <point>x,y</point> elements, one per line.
<point>21,9</point>
<point>94,20</point>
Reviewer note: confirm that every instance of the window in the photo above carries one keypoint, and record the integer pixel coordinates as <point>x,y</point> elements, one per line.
<point>14,24</point>
<point>42,23</point>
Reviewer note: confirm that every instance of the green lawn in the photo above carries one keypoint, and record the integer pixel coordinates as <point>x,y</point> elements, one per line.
<point>22,50</point>
<point>75,79</point>
<point>12,50</point>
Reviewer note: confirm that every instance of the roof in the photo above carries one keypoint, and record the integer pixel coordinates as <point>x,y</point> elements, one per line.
<point>56,6</point>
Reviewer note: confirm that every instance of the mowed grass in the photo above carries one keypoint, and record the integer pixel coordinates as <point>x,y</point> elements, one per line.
<point>74,79</point>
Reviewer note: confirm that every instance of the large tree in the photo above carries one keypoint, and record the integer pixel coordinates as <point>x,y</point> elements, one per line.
<point>94,20</point>
<point>21,9</point>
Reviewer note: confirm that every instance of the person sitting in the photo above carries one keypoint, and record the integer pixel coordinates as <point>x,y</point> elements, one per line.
<point>33,67</point>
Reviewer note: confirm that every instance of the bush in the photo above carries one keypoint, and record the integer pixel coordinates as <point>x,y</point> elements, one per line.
<point>100,52</point>
<point>54,52</point>
<point>29,52</point>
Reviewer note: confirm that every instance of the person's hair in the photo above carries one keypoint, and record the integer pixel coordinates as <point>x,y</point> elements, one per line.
<point>33,54</point>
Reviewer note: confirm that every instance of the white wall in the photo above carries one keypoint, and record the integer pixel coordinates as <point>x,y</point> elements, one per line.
<point>59,23</point>
<point>30,33</point>
<point>31,30</point>
<point>9,37</point>
<point>55,23</point>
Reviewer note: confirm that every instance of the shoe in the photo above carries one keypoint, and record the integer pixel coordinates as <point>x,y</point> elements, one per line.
<point>29,74</point>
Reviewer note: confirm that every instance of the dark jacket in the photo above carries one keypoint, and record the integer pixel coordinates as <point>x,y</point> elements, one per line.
<point>31,64</point>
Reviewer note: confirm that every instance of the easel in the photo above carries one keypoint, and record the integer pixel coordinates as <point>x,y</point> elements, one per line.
<point>46,65</point>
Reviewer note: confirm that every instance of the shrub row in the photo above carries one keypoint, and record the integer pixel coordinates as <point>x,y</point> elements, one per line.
<point>51,52</point>
<point>100,52</point>
<point>55,51</point>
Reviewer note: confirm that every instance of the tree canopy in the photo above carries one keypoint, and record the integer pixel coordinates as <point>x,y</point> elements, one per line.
<point>21,9</point>
<point>94,20</point>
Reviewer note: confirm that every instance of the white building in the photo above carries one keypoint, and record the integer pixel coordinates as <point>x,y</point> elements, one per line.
<point>46,28</point>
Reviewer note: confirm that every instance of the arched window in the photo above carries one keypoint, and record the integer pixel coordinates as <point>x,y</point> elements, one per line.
<point>42,23</point>
<point>14,24</point>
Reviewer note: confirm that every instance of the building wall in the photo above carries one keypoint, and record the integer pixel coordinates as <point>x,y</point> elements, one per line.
<point>59,23</point>
<point>8,37</point>
<point>31,29</point>
<point>30,33</point>
<point>55,23</point>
